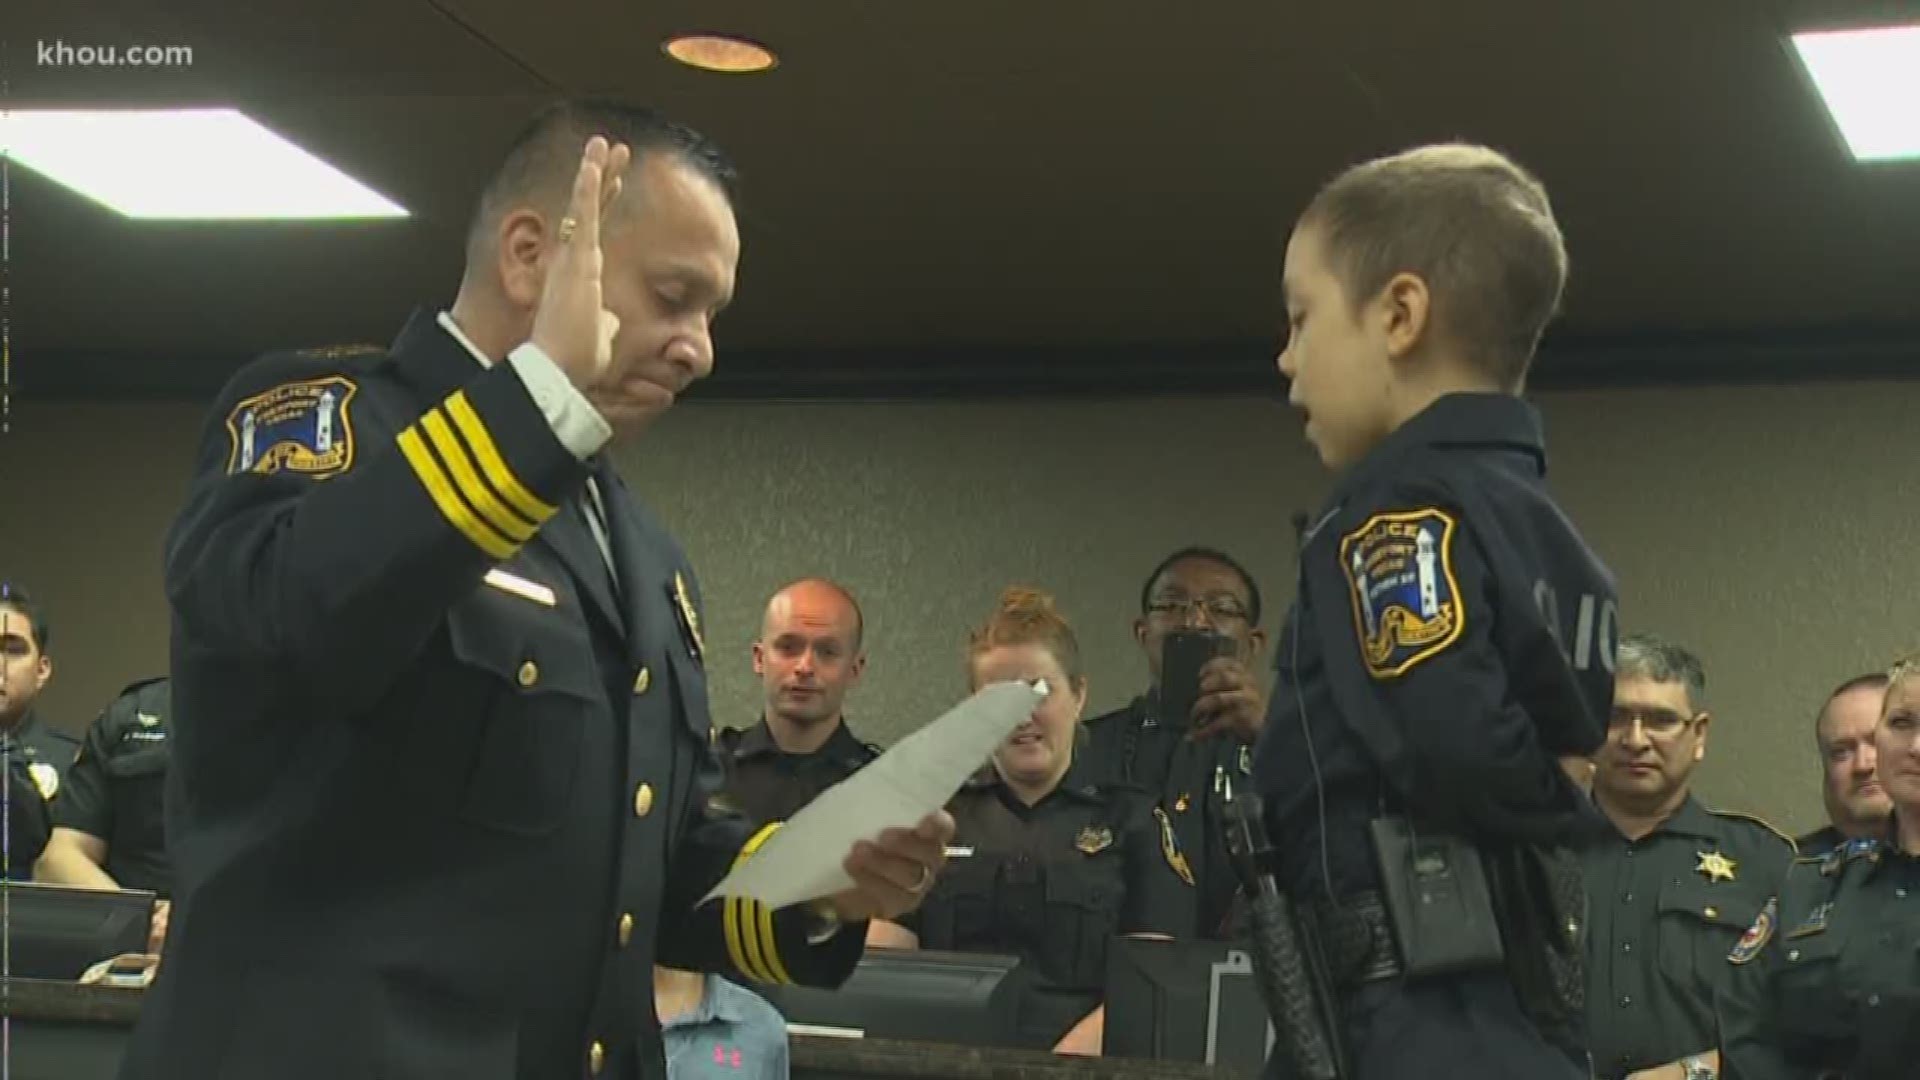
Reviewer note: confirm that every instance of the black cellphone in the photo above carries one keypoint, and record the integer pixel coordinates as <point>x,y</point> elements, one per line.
<point>1182,655</point>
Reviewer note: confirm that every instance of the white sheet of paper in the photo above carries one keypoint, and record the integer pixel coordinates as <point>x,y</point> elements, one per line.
<point>918,775</point>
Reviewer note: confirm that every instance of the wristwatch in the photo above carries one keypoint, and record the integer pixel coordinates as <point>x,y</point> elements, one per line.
<point>1692,1068</point>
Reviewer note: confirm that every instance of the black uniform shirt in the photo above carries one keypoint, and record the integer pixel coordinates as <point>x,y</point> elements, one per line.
<point>769,784</point>
<point>1452,637</point>
<point>29,820</point>
<point>1828,979</point>
<point>1663,912</point>
<point>115,790</point>
<point>1053,883</point>
<point>1820,841</point>
<point>1133,746</point>
<point>47,751</point>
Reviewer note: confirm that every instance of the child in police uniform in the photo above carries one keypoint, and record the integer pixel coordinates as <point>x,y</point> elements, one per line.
<point>1449,654</point>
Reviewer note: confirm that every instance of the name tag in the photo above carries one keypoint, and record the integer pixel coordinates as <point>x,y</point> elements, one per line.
<point>521,587</point>
<point>959,852</point>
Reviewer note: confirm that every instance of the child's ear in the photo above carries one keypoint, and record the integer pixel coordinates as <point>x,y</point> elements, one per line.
<point>1406,308</point>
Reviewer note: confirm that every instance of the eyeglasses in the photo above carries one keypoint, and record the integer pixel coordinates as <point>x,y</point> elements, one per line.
<point>1659,723</point>
<point>1218,608</point>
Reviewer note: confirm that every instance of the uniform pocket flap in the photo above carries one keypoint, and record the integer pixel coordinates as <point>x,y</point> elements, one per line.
<point>1714,904</point>
<point>538,652</point>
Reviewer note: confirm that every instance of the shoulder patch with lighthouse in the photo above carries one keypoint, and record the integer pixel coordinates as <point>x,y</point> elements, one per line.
<point>303,428</point>
<point>1406,602</point>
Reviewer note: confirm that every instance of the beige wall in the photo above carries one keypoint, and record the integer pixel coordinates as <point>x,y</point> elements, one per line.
<point>1772,529</point>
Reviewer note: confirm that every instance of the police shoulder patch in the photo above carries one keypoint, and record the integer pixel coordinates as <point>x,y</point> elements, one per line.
<point>1407,606</point>
<point>1170,847</point>
<point>303,427</point>
<point>1757,935</point>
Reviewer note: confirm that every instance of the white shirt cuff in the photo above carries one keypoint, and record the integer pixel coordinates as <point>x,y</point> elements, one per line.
<point>576,423</point>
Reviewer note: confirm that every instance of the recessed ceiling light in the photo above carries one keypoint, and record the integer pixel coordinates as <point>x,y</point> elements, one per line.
<point>1870,80</point>
<point>720,52</point>
<point>185,164</point>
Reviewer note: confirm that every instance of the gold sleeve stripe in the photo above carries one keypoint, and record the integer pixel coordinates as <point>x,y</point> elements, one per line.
<point>449,502</point>
<point>770,947</point>
<point>478,493</point>
<point>744,919</point>
<point>492,464</point>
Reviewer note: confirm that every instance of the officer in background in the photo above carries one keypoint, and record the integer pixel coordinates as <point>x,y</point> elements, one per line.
<point>809,655</point>
<point>1675,884</point>
<point>441,761</point>
<point>1856,800</point>
<point>1186,761</point>
<point>109,822</point>
<point>29,819</point>
<point>1051,862</point>
<point>1451,647</point>
<point>26,667</point>
<point>1827,980</point>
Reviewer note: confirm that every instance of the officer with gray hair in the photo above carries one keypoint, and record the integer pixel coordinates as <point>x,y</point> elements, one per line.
<point>1675,885</point>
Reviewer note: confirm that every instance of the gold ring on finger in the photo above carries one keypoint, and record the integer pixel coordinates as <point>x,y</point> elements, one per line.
<point>567,225</point>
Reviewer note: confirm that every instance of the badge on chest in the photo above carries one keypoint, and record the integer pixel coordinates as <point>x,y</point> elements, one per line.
<point>1094,839</point>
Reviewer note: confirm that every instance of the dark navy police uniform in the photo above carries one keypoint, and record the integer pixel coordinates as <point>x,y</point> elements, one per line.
<point>440,781</point>
<point>48,752</point>
<point>766,783</point>
<point>29,819</point>
<point>1452,637</point>
<point>1664,911</point>
<point>1828,978</point>
<point>116,789</point>
<point>1053,884</point>
<point>1820,841</point>
<point>1134,746</point>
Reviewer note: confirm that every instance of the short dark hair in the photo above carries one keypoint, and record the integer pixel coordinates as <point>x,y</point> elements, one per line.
<point>1872,680</point>
<point>539,164</point>
<point>1650,656</point>
<point>1470,221</point>
<point>15,597</point>
<point>1203,554</point>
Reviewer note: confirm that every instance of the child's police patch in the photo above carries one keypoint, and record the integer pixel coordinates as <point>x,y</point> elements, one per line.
<point>1406,603</point>
<point>298,427</point>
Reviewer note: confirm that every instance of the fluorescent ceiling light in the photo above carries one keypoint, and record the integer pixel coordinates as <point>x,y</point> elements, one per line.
<point>198,164</point>
<point>1870,80</point>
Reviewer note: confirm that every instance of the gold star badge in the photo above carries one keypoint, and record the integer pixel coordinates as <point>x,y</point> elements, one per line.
<point>1180,804</point>
<point>1715,865</point>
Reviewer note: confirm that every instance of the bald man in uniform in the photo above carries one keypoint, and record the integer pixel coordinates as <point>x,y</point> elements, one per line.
<point>810,654</point>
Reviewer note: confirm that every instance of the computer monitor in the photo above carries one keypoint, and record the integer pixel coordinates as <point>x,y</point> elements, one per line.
<point>57,932</point>
<point>919,995</point>
<point>1186,1001</point>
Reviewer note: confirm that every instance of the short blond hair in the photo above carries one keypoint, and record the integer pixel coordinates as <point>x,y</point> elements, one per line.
<point>1470,222</point>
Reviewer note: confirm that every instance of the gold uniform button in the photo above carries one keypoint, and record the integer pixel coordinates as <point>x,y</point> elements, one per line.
<point>596,1058</point>
<point>642,681</point>
<point>529,673</point>
<point>643,800</point>
<point>626,930</point>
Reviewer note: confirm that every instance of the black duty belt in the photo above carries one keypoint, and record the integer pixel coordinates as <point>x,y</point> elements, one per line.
<point>1356,939</point>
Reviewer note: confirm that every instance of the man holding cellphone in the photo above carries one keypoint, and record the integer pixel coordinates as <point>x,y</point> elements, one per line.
<point>1189,734</point>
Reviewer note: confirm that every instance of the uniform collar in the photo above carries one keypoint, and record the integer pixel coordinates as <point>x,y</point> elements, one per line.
<point>1464,421</point>
<point>434,355</point>
<point>1692,820</point>
<point>1078,782</point>
<point>841,745</point>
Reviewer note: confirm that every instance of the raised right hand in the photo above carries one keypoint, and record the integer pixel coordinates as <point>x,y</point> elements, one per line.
<point>572,325</point>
